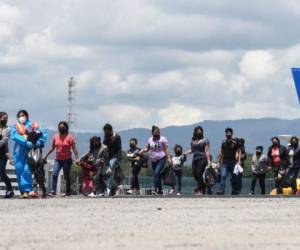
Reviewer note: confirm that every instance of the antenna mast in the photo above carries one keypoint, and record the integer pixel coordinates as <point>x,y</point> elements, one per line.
<point>71,102</point>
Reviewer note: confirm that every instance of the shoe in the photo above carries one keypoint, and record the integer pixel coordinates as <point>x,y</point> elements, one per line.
<point>65,194</point>
<point>221,192</point>
<point>34,195</point>
<point>199,193</point>
<point>51,194</point>
<point>92,195</point>
<point>101,195</point>
<point>130,191</point>
<point>251,193</point>
<point>25,195</point>
<point>178,194</point>
<point>172,191</point>
<point>118,192</point>
<point>107,191</point>
<point>44,195</point>
<point>9,194</point>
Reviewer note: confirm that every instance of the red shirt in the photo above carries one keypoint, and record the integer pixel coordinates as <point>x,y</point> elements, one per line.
<point>276,157</point>
<point>63,145</point>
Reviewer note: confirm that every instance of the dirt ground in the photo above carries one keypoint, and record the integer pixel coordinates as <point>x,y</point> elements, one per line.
<point>150,223</point>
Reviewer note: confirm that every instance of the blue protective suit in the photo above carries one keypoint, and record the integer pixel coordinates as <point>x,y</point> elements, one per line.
<point>23,172</point>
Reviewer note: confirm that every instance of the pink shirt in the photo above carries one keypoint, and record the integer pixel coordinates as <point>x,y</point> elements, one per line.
<point>157,148</point>
<point>63,146</point>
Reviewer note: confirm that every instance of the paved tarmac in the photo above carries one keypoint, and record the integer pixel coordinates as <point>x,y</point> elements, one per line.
<point>150,223</point>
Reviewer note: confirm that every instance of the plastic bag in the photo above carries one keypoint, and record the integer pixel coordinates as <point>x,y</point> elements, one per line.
<point>169,176</point>
<point>238,169</point>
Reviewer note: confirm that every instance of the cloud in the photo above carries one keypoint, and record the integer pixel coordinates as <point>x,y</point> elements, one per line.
<point>149,62</point>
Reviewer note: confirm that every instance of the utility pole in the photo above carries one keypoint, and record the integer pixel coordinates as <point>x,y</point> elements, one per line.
<point>71,102</point>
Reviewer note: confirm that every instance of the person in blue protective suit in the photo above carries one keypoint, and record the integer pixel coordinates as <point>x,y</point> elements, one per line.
<point>20,134</point>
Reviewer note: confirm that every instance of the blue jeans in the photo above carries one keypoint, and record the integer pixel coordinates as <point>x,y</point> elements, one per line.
<point>293,174</point>
<point>66,166</point>
<point>3,175</point>
<point>157,167</point>
<point>113,163</point>
<point>227,168</point>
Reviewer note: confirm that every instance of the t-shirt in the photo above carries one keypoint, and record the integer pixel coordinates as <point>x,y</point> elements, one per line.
<point>178,162</point>
<point>63,146</point>
<point>276,156</point>
<point>229,150</point>
<point>114,146</point>
<point>157,148</point>
<point>198,149</point>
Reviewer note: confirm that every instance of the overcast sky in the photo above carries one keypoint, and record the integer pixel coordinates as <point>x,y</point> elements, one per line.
<point>144,62</point>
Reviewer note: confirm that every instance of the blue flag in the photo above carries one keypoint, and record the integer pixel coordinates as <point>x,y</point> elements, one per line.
<point>296,75</point>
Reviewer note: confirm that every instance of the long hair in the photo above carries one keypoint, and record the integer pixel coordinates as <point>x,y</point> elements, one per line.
<point>195,131</point>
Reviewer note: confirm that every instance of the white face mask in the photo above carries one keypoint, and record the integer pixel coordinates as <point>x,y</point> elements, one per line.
<point>23,119</point>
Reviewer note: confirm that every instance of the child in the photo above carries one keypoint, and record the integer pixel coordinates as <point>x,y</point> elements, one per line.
<point>260,165</point>
<point>210,176</point>
<point>136,165</point>
<point>177,164</point>
<point>88,173</point>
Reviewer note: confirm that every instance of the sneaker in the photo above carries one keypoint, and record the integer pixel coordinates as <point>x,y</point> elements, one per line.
<point>251,193</point>
<point>101,195</point>
<point>130,191</point>
<point>25,195</point>
<point>51,194</point>
<point>178,194</point>
<point>199,193</point>
<point>9,194</point>
<point>107,191</point>
<point>92,195</point>
<point>34,195</point>
<point>221,192</point>
<point>65,194</point>
<point>44,195</point>
<point>172,191</point>
<point>118,192</point>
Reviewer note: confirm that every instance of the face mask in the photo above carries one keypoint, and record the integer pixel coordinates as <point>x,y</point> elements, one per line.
<point>228,137</point>
<point>156,137</point>
<point>199,135</point>
<point>97,146</point>
<point>22,119</point>
<point>178,152</point>
<point>63,130</point>
<point>258,152</point>
<point>3,123</point>
<point>132,145</point>
<point>275,144</point>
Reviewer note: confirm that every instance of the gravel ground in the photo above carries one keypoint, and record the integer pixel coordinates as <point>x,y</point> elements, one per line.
<point>150,223</point>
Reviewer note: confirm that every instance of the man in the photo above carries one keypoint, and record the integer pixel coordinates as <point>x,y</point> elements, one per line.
<point>114,146</point>
<point>229,156</point>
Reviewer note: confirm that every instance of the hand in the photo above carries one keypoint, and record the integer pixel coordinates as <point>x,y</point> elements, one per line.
<point>77,162</point>
<point>29,145</point>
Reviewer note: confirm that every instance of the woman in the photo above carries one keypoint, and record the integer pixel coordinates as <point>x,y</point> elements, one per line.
<point>4,138</point>
<point>294,166</point>
<point>20,135</point>
<point>201,158</point>
<point>158,147</point>
<point>279,159</point>
<point>63,142</point>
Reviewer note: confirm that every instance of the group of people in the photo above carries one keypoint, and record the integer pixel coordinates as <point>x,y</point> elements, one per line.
<point>101,169</point>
